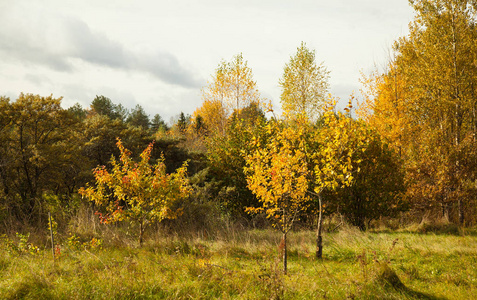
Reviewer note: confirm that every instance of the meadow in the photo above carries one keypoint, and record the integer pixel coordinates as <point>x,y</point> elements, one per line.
<point>245,264</point>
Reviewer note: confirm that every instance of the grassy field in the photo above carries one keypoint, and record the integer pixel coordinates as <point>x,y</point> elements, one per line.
<point>246,265</point>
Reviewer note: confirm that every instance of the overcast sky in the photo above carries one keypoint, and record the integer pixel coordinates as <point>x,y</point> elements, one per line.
<point>160,53</point>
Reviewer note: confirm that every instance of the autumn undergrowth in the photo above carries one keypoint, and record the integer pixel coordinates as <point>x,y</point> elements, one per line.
<point>245,264</point>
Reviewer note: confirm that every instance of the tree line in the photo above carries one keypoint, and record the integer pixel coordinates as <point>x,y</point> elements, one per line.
<point>47,153</point>
<point>411,153</point>
<point>425,106</point>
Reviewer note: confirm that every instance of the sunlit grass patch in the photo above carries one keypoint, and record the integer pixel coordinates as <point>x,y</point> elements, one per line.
<point>248,266</point>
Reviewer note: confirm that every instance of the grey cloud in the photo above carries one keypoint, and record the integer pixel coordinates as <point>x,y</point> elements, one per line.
<point>168,68</point>
<point>96,48</point>
<point>24,37</point>
<point>18,46</point>
<point>55,42</point>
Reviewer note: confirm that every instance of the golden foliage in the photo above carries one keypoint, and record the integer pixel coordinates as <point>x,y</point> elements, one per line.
<point>137,191</point>
<point>304,84</point>
<point>232,89</point>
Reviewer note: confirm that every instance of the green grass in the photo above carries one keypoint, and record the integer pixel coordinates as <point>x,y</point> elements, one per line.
<point>246,265</point>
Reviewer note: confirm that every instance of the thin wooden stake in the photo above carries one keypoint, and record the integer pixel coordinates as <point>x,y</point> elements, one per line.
<point>51,234</point>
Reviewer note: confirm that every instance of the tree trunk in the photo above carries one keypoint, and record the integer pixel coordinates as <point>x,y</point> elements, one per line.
<point>445,212</point>
<point>141,232</point>
<point>319,238</point>
<point>284,241</point>
<point>461,212</point>
<point>285,255</point>
<point>458,114</point>
<point>319,245</point>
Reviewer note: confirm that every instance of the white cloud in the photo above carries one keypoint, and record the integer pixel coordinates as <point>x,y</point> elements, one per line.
<point>61,40</point>
<point>157,53</point>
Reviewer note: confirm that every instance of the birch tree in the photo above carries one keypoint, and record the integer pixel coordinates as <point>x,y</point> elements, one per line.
<point>432,105</point>
<point>304,84</point>
<point>232,88</point>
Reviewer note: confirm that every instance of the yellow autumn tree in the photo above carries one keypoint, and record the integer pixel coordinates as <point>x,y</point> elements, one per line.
<point>213,115</point>
<point>331,159</point>
<point>298,162</point>
<point>137,191</point>
<point>278,173</point>
<point>387,106</point>
<point>232,88</point>
<point>424,104</point>
<point>304,84</point>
